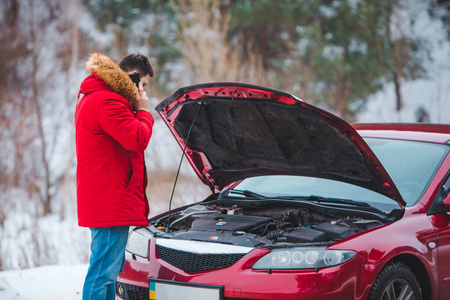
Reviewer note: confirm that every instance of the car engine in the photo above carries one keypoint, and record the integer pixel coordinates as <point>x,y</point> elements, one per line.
<point>264,225</point>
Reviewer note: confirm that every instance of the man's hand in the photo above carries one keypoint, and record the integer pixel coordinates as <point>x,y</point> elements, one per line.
<point>142,103</point>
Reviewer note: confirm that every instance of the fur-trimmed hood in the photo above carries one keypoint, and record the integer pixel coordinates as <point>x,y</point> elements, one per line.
<point>113,76</point>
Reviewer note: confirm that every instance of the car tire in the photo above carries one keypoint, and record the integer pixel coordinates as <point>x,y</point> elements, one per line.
<point>396,282</point>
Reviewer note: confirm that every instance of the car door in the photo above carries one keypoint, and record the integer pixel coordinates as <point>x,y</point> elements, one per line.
<point>442,226</point>
<point>440,218</point>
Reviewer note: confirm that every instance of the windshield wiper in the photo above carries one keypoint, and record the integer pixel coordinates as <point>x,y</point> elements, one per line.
<point>321,199</point>
<point>247,194</point>
<point>318,199</point>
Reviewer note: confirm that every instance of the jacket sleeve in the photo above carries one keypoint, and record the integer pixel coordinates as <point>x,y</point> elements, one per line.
<point>133,132</point>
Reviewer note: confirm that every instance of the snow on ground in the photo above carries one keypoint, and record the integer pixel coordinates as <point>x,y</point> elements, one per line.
<point>43,283</point>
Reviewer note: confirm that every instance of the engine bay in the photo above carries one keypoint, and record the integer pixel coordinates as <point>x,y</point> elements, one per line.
<point>264,225</point>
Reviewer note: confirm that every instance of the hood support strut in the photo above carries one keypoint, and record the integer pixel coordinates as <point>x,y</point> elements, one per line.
<point>179,166</point>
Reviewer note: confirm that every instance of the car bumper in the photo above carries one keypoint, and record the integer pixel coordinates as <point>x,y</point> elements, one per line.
<point>350,280</point>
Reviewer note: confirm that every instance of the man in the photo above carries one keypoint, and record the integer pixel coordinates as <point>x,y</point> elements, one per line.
<point>113,128</point>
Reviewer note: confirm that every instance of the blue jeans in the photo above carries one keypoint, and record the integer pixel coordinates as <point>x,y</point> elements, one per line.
<point>106,262</point>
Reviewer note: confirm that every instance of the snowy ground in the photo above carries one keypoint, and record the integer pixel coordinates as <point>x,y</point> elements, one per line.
<point>43,283</point>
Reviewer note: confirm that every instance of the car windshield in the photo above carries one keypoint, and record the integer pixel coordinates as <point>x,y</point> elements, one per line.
<point>410,164</point>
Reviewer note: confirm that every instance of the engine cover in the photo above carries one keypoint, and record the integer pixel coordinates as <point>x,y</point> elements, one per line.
<point>229,222</point>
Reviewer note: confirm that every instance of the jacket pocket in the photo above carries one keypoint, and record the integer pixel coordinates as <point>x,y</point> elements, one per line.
<point>130,176</point>
<point>136,176</point>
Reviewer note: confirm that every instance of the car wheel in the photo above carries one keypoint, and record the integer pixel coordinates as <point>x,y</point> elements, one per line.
<point>396,282</point>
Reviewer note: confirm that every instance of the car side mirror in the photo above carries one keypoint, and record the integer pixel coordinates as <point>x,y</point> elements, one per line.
<point>446,193</point>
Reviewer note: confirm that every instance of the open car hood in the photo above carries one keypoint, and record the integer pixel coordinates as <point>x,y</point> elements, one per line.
<point>241,130</point>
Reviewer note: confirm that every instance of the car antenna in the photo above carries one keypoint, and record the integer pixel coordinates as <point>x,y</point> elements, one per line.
<point>179,166</point>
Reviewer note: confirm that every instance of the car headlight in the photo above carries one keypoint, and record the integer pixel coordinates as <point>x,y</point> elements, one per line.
<point>138,242</point>
<point>303,258</point>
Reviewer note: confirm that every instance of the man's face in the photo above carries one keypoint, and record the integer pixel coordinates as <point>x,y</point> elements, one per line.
<point>144,81</point>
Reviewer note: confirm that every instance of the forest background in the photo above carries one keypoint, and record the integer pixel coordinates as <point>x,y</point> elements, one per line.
<point>363,60</point>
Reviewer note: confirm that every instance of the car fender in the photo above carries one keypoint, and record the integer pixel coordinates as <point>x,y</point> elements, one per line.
<point>407,239</point>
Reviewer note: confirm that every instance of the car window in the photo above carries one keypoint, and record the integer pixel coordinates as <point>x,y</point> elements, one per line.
<point>411,166</point>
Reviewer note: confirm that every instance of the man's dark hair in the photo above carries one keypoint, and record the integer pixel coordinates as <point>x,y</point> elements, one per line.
<point>136,62</point>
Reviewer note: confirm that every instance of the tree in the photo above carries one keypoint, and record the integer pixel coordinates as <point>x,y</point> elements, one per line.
<point>399,51</point>
<point>33,115</point>
<point>329,52</point>
<point>202,34</point>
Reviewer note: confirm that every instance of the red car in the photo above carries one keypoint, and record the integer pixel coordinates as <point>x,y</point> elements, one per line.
<point>302,205</point>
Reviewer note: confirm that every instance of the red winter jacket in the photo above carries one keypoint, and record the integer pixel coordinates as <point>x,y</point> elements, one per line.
<point>110,142</point>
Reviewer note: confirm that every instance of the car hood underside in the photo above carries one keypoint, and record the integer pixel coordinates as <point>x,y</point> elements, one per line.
<point>235,131</point>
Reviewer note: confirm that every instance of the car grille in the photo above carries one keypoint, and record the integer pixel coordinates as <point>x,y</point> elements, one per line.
<point>192,262</point>
<point>134,292</point>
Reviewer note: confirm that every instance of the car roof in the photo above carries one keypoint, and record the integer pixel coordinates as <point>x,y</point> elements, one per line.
<point>432,133</point>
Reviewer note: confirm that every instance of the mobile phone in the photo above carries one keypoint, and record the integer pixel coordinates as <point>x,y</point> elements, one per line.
<point>136,78</point>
